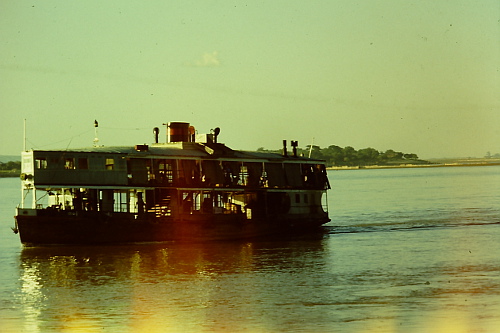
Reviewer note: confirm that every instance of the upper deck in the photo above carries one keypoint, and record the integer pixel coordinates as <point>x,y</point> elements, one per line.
<point>175,164</point>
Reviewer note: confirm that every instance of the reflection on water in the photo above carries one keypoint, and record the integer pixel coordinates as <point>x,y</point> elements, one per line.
<point>175,286</point>
<point>31,297</point>
<point>365,282</point>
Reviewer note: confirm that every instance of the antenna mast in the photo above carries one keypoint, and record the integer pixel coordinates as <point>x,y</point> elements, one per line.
<point>24,135</point>
<point>96,139</point>
<point>311,148</point>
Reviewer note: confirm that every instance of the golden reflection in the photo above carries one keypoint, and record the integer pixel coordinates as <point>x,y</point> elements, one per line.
<point>198,267</point>
<point>62,269</point>
<point>32,297</point>
<point>246,286</point>
<point>152,288</point>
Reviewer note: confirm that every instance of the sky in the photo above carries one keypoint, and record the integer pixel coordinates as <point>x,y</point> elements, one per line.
<point>419,77</point>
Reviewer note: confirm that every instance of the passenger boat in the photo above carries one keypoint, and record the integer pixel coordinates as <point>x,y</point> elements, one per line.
<point>189,188</point>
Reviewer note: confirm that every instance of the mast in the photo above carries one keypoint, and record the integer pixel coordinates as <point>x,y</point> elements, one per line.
<point>24,149</point>
<point>311,148</point>
<point>96,139</point>
<point>24,135</point>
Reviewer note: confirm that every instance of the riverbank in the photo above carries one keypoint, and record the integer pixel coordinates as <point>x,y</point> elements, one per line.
<point>9,173</point>
<point>434,164</point>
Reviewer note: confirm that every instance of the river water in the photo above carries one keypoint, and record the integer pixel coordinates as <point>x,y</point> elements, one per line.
<point>408,250</point>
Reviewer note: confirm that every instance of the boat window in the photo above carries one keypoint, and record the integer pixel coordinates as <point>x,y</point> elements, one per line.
<point>314,176</point>
<point>207,202</point>
<point>121,201</point>
<point>306,198</point>
<point>293,174</point>
<point>212,173</point>
<point>243,179</point>
<point>41,163</point>
<point>189,172</point>
<point>69,163</point>
<point>165,172</point>
<point>254,172</point>
<point>275,174</point>
<point>189,202</point>
<point>231,173</point>
<point>138,170</point>
<point>83,163</point>
<point>110,163</point>
<point>297,198</point>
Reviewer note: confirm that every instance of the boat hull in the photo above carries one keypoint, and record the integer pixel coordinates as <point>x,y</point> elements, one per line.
<point>109,229</point>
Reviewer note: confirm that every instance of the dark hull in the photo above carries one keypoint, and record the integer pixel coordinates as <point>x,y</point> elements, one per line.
<point>125,228</point>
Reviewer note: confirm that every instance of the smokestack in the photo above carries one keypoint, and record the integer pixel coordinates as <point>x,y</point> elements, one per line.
<point>192,134</point>
<point>156,132</point>
<point>178,132</point>
<point>216,133</point>
<point>285,153</point>
<point>294,144</point>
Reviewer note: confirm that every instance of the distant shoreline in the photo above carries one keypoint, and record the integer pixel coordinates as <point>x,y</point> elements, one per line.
<point>9,173</point>
<point>402,166</point>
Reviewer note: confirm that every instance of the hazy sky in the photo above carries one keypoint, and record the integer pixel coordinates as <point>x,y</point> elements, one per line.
<point>414,76</point>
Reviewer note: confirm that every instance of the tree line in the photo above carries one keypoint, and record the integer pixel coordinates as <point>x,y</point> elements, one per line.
<point>348,156</point>
<point>12,165</point>
<point>10,169</point>
<point>333,155</point>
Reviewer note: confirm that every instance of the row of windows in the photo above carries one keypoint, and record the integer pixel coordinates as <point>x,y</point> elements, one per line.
<point>305,198</point>
<point>210,173</point>
<point>73,163</point>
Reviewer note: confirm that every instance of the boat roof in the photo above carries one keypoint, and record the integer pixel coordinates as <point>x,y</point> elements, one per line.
<point>188,150</point>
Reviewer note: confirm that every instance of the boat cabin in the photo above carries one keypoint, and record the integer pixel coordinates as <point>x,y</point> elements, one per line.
<point>186,175</point>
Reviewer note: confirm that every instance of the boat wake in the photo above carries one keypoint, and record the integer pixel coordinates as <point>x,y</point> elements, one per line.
<point>432,220</point>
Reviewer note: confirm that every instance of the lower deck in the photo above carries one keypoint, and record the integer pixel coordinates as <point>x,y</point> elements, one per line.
<point>175,202</point>
<point>126,215</point>
<point>39,227</point>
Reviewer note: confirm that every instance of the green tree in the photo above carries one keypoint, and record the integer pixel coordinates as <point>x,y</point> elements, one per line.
<point>10,165</point>
<point>368,156</point>
<point>350,156</point>
<point>334,155</point>
<point>410,156</point>
<point>392,155</point>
